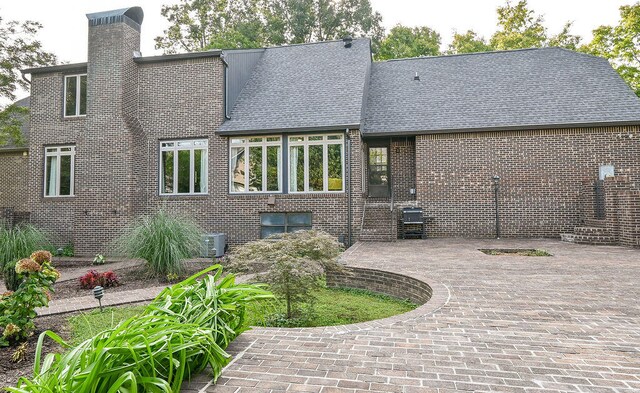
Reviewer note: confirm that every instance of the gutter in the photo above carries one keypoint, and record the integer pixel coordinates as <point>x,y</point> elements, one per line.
<point>180,56</point>
<point>262,131</point>
<point>526,127</point>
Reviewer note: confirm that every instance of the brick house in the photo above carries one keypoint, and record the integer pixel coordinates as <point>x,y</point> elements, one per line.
<point>253,142</point>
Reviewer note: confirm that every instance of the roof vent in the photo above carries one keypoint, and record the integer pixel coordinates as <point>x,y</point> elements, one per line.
<point>417,77</point>
<point>348,41</point>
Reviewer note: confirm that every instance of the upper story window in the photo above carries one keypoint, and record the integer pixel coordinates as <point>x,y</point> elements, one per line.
<point>183,167</point>
<point>75,95</point>
<point>59,171</point>
<point>255,164</point>
<point>316,163</point>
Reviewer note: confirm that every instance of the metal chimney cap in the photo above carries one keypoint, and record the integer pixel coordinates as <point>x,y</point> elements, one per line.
<point>348,41</point>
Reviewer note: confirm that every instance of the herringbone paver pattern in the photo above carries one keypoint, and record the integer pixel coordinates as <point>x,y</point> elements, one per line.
<point>567,323</point>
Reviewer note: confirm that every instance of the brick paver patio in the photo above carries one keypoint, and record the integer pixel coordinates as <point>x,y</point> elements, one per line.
<point>569,323</point>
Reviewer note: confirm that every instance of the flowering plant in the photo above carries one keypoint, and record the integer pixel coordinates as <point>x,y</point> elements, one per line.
<point>93,279</point>
<point>18,308</point>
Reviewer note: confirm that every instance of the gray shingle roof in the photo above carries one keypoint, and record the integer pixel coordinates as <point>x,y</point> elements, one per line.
<point>494,90</point>
<point>302,87</point>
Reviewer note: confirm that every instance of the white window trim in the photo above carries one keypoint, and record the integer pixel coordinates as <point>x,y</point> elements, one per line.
<point>175,149</point>
<point>78,95</point>
<point>58,153</point>
<point>325,142</point>
<point>246,145</point>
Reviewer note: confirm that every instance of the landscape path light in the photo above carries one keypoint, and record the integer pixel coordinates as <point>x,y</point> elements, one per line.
<point>98,293</point>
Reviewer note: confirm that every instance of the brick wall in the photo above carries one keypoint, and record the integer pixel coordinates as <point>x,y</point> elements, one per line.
<point>14,180</point>
<point>396,285</point>
<point>542,174</point>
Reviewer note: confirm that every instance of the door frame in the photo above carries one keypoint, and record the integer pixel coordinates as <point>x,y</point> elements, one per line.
<point>378,143</point>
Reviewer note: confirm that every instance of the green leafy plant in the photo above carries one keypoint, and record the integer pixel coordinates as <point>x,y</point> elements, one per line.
<point>19,242</point>
<point>17,309</point>
<point>99,259</point>
<point>68,250</point>
<point>163,241</point>
<point>293,264</point>
<point>11,279</point>
<point>184,330</point>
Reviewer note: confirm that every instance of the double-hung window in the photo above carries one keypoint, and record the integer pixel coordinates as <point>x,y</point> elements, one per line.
<point>183,167</point>
<point>75,95</point>
<point>316,163</point>
<point>59,171</point>
<point>255,164</point>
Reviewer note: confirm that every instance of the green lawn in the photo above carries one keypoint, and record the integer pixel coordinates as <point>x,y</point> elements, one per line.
<point>332,307</point>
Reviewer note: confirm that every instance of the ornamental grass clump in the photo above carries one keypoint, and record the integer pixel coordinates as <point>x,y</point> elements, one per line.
<point>19,242</point>
<point>18,308</point>
<point>184,330</point>
<point>292,264</point>
<point>162,240</point>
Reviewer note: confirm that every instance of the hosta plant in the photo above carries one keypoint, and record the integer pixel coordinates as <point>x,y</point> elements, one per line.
<point>18,308</point>
<point>184,330</point>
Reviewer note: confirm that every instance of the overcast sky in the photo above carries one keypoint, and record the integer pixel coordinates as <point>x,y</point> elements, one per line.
<point>65,24</point>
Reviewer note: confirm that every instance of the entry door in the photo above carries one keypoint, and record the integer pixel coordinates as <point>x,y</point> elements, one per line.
<point>378,171</point>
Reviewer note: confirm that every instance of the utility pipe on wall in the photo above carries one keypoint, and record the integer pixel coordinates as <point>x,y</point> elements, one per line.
<point>496,187</point>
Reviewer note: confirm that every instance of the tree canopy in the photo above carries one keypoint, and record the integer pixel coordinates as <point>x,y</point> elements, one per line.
<point>405,41</point>
<point>621,45</point>
<point>19,49</point>
<point>204,24</point>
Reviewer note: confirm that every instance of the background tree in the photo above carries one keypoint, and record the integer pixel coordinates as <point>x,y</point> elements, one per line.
<point>19,49</point>
<point>565,39</point>
<point>621,45</point>
<point>519,27</point>
<point>404,41</point>
<point>204,24</point>
<point>468,42</point>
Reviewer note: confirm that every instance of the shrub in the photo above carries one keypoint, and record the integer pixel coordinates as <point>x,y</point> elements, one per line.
<point>294,264</point>
<point>92,279</point>
<point>20,242</point>
<point>184,330</point>
<point>163,241</point>
<point>11,279</point>
<point>17,309</point>
<point>68,250</point>
<point>99,259</point>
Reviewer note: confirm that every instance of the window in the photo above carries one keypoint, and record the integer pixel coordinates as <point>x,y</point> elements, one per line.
<point>75,95</point>
<point>183,167</point>
<point>316,163</point>
<point>255,164</point>
<point>58,171</point>
<point>274,223</point>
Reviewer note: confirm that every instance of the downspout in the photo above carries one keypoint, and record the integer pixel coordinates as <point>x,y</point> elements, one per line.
<point>349,234</point>
<point>225,82</point>
<point>24,77</point>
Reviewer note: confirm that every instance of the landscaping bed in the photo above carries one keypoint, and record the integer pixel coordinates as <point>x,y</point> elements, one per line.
<point>10,371</point>
<point>521,252</point>
<point>129,278</point>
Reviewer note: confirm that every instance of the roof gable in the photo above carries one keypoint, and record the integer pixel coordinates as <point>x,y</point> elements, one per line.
<point>302,87</point>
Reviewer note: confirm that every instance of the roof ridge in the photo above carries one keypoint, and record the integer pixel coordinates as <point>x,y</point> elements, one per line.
<point>315,43</point>
<point>492,52</point>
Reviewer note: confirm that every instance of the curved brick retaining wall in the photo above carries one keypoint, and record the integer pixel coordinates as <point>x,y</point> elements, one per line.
<point>393,284</point>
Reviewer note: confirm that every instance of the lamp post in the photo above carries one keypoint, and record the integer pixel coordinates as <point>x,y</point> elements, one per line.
<point>98,293</point>
<point>496,188</point>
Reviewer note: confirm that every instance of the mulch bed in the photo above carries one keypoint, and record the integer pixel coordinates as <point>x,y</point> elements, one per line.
<point>10,371</point>
<point>129,278</point>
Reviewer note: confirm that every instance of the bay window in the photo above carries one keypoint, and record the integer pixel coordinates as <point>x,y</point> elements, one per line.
<point>255,164</point>
<point>316,163</point>
<point>59,171</point>
<point>183,167</point>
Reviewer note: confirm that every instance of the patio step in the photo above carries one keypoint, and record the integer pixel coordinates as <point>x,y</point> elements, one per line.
<point>598,231</point>
<point>592,222</point>
<point>600,240</point>
<point>377,224</point>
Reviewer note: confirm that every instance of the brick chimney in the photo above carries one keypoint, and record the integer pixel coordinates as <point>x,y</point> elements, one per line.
<point>106,152</point>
